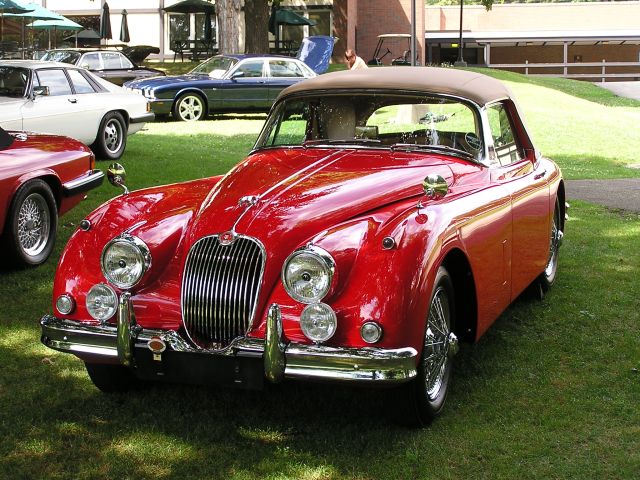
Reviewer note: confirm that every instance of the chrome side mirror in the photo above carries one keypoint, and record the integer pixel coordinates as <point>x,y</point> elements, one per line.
<point>117,176</point>
<point>435,187</point>
<point>41,91</point>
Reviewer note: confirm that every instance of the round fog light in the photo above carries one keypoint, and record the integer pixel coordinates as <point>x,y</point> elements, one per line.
<point>102,302</point>
<point>65,304</point>
<point>371,332</point>
<point>318,322</point>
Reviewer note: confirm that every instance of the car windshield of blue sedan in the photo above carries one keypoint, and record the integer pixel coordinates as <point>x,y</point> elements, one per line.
<point>375,120</point>
<point>13,81</point>
<point>215,67</point>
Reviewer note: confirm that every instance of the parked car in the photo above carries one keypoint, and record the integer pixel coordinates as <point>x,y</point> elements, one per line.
<point>58,98</point>
<point>111,65</point>
<point>233,83</point>
<point>382,217</point>
<point>41,177</point>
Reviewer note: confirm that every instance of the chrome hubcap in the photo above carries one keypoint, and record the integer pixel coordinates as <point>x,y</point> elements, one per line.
<point>33,224</point>
<point>190,108</point>
<point>113,136</point>
<point>440,344</point>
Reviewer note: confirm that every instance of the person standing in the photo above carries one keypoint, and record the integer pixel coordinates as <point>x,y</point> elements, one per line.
<point>353,60</point>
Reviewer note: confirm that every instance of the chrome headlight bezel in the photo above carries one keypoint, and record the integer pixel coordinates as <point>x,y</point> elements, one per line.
<point>141,251</point>
<point>327,265</point>
<point>111,309</point>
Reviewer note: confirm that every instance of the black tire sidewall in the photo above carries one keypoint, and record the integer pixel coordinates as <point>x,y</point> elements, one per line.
<point>427,409</point>
<point>100,146</point>
<point>18,255</point>
<point>180,99</point>
<point>547,281</point>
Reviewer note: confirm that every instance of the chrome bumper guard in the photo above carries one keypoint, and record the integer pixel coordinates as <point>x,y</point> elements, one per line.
<point>282,360</point>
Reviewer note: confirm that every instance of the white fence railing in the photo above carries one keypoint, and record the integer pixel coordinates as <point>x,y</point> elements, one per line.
<point>600,69</point>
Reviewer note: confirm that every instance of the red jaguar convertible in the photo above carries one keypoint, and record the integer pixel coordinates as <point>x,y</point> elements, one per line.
<point>383,216</point>
<point>41,177</point>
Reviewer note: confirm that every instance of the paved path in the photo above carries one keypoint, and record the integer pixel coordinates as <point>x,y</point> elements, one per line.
<point>623,193</point>
<point>623,89</point>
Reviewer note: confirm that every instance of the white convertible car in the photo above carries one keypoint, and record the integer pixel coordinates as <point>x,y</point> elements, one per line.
<point>58,98</point>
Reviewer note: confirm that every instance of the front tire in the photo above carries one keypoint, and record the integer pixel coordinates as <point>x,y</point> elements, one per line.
<point>30,231</point>
<point>112,137</point>
<point>189,107</point>
<point>423,399</point>
<point>110,378</point>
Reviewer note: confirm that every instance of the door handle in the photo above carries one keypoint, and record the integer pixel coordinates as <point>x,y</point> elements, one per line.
<point>72,100</point>
<point>538,176</point>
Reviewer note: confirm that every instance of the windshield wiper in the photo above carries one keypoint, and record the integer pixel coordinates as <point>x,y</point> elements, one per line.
<point>438,148</point>
<point>348,141</point>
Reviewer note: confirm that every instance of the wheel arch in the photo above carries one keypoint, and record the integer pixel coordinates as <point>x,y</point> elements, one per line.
<point>562,200</point>
<point>197,91</point>
<point>465,300</point>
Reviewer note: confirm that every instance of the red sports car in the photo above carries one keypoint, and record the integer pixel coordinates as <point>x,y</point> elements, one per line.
<point>383,216</point>
<point>41,177</point>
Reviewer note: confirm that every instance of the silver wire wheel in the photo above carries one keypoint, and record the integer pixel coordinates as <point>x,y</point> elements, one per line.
<point>439,345</point>
<point>549,275</point>
<point>189,108</point>
<point>34,225</point>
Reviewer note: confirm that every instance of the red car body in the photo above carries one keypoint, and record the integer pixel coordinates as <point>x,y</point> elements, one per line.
<point>492,229</point>
<point>60,164</point>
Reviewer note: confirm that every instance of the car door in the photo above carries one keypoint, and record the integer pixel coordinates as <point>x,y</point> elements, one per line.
<point>247,87</point>
<point>61,112</point>
<point>283,73</point>
<point>515,168</point>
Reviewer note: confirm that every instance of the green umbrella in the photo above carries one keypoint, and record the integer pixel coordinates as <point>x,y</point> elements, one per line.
<point>9,6</point>
<point>64,24</point>
<point>124,28</point>
<point>191,6</point>
<point>105,22</point>
<point>35,11</point>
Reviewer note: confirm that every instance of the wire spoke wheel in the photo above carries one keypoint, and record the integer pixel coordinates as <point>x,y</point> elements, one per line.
<point>34,225</point>
<point>436,345</point>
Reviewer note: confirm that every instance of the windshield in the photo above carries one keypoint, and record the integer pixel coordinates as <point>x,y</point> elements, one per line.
<point>13,81</point>
<point>215,67</point>
<point>60,56</point>
<point>379,120</point>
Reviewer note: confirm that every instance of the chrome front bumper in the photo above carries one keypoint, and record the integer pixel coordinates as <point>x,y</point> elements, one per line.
<point>118,344</point>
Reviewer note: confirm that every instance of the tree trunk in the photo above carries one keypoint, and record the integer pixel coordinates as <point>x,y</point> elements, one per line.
<point>229,25</point>
<point>256,15</point>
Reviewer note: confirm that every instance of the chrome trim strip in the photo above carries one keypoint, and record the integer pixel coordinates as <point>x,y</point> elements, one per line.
<point>91,180</point>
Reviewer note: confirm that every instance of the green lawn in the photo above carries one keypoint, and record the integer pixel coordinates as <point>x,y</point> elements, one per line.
<point>551,391</point>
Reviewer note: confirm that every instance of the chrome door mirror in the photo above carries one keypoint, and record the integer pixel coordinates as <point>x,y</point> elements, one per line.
<point>435,187</point>
<point>117,176</point>
<point>41,91</point>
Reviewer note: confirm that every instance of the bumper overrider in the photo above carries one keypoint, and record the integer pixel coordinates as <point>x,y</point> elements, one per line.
<point>246,362</point>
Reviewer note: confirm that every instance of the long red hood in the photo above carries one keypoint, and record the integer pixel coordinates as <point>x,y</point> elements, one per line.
<point>302,192</point>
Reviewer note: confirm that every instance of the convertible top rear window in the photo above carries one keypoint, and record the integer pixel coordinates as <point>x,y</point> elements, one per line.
<point>375,120</point>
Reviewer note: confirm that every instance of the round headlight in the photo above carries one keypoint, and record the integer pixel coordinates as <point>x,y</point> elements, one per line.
<point>124,260</point>
<point>102,302</point>
<point>307,274</point>
<point>318,322</point>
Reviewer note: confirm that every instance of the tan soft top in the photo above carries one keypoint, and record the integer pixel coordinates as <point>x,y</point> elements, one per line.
<point>476,87</point>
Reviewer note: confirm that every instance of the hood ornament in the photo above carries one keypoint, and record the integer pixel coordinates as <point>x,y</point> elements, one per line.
<point>248,201</point>
<point>227,238</point>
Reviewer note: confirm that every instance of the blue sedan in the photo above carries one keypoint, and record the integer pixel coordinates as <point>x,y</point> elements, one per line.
<point>224,83</point>
<point>233,83</point>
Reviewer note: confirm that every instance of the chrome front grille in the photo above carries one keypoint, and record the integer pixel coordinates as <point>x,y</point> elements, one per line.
<point>220,289</point>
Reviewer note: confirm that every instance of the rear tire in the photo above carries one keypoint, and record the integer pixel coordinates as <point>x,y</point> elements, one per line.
<point>110,378</point>
<point>423,399</point>
<point>32,221</point>
<point>112,137</point>
<point>548,277</point>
